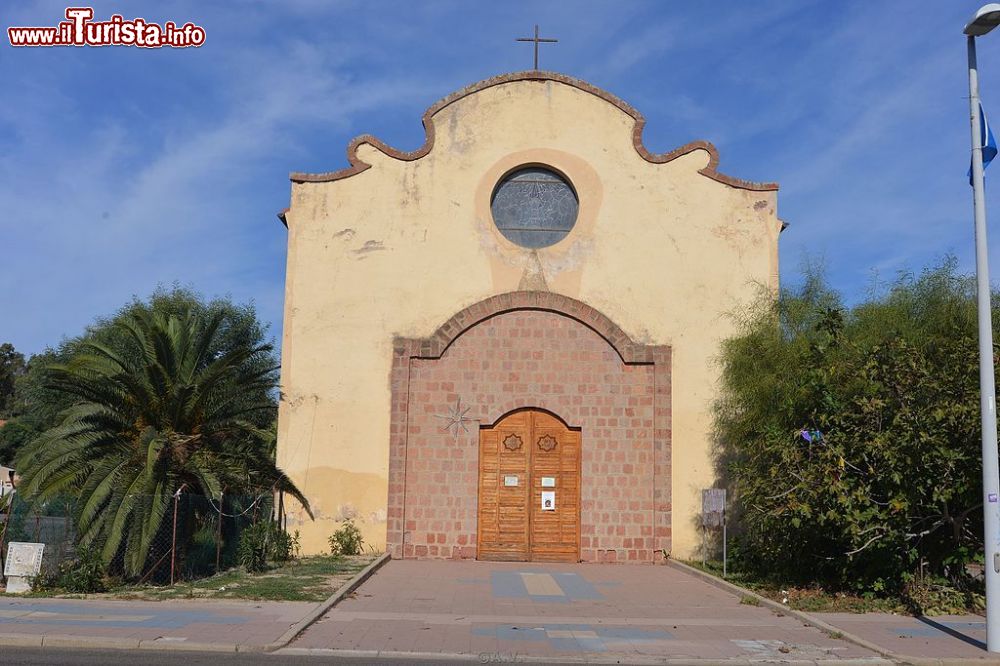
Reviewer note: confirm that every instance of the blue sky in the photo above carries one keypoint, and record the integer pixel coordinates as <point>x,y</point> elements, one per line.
<point>125,168</point>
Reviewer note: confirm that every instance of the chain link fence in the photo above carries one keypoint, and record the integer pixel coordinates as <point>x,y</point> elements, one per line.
<point>50,523</point>
<point>198,536</point>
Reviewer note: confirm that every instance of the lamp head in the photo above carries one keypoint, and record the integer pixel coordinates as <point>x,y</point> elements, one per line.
<point>986,18</point>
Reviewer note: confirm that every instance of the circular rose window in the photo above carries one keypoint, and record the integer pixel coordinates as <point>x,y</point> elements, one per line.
<point>534,207</point>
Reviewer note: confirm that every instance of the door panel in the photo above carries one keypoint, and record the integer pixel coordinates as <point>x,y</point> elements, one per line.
<point>537,452</point>
<point>555,457</point>
<point>503,515</point>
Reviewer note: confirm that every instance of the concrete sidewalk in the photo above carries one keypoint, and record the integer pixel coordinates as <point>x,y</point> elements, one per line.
<point>502,611</point>
<point>495,611</point>
<point>943,637</point>
<point>178,624</point>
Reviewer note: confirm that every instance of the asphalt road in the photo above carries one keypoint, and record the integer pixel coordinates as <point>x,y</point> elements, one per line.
<point>15,656</point>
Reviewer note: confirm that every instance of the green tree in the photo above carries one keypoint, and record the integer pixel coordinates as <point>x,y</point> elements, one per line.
<point>38,407</point>
<point>12,366</point>
<point>13,436</point>
<point>163,398</point>
<point>850,436</point>
<point>35,408</point>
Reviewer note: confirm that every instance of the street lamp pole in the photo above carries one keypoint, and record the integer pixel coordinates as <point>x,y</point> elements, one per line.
<point>987,18</point>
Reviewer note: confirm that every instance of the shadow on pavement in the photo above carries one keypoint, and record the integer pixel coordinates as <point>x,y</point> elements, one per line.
<point>954,633</point>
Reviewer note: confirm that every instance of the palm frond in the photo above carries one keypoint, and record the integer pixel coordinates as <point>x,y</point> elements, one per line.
<point>162,405</point>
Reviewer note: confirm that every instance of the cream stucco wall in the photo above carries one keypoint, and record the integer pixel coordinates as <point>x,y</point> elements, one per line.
<point>664,251</point>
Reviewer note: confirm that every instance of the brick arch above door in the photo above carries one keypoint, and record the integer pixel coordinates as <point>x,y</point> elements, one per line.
<point>414,358</point>
<point>435,345</point>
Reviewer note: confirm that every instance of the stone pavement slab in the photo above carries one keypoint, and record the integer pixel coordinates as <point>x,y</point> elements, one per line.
<point>558,610</point>
<point>945,636</point>
<point>177,623</point>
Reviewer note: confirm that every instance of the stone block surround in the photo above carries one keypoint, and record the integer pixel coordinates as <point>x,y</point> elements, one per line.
<point>530,350</point>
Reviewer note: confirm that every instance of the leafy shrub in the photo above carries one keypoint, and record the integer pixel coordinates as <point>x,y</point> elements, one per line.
<point>939,598</point>
<point>252,551</point>
<point>346,540</point>
<point>85,574</point>
<point>285,546</point>
<point>265,542</point>
<point>850,435</point>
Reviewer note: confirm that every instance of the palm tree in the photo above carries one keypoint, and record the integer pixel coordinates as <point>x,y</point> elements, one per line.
<point>163,406</point>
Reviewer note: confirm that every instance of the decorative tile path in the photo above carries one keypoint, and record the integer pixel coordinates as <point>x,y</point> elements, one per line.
<point>575,637</point>
<point>188,621</point>
<point>498,611</point>
<point>598,611</point>
<point>54,613</point>
<point>557,587</point>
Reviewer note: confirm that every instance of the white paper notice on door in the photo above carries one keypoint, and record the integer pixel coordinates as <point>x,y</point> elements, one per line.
<point>510,481</point>
<point>548,482</point>
<point>548,500</point>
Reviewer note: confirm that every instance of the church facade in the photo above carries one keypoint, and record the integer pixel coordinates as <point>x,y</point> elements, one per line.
<point>502,344</point>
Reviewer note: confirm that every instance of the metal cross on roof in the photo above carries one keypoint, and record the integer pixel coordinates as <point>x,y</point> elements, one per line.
<point>537,40</point>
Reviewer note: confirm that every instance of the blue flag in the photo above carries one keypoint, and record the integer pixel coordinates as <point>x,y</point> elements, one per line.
<point>986,140</point>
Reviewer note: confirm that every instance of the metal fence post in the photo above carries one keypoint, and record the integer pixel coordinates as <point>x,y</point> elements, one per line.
<point>173,544</point>
<point>218,534</point>
<point>3,534</point>
<point>725,559</point>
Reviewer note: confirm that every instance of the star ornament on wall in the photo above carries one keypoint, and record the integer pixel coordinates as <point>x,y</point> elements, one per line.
<point>456,418</point>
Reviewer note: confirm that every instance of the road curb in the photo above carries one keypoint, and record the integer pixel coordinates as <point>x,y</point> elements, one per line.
<point>500,657</point>
<point>89,642</point>
<point>825,627</point>
<point>325,606</point>
<point>21,640</point>
<point>69,641</point>
<point>187,646</point>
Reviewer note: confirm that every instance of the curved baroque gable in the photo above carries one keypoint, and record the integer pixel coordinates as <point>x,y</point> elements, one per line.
<point>357,165</point>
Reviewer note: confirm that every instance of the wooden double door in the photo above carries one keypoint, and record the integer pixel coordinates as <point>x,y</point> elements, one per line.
<point>529,489</point>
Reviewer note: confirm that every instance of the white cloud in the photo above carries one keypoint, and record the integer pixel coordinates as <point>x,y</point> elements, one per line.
<point>98,215</point>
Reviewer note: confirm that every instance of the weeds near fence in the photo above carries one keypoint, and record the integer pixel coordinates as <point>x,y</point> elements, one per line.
<point>308,579</point>
<point>199,537</point>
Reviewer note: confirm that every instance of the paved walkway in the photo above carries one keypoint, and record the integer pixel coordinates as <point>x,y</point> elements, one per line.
<point>946,636</point>
<point>503,610</point>
<point>219,625</point>
<point>497,612</point>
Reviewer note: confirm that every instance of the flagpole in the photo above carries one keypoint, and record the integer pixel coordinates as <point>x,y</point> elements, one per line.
<point>987,387</point>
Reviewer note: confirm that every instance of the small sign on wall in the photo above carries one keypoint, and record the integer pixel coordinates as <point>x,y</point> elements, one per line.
<point>548,482</point>
<point>510,481</point>
<point>713,507</point>
<point>713,514</point>
<point>548,500</point>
